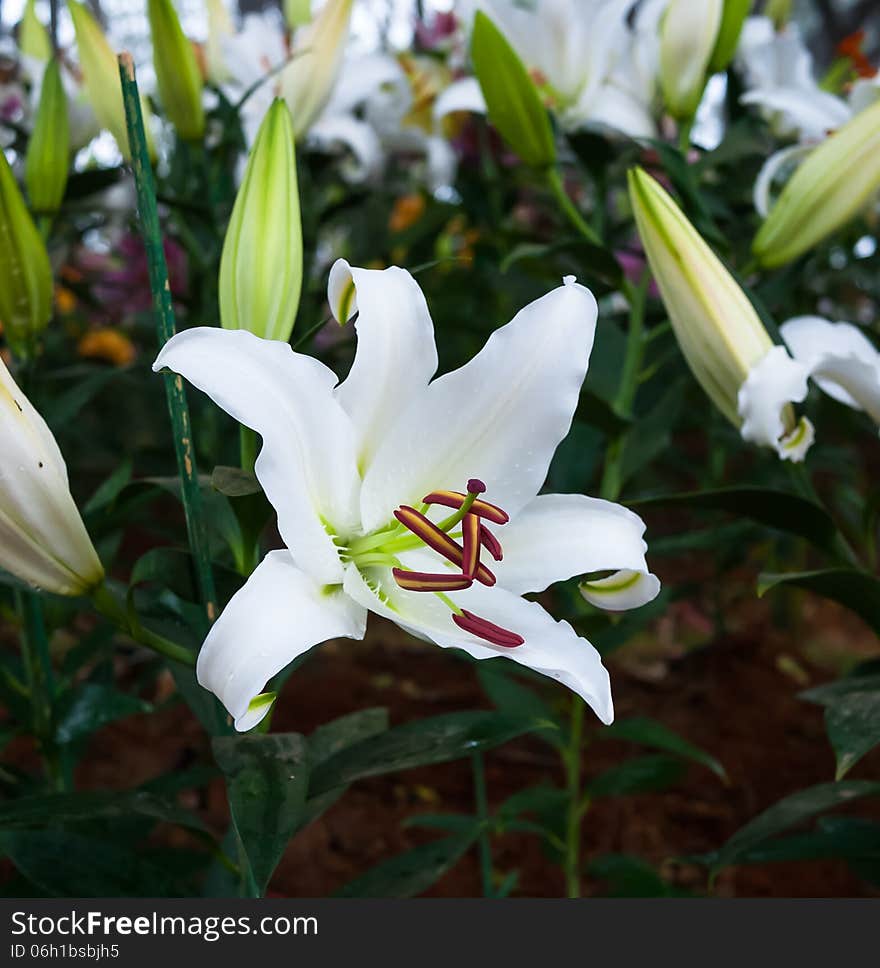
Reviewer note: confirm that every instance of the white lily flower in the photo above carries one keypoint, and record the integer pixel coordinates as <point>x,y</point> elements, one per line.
<point>591,65</point>
<point>840,358</point>
<point>43,540</point>
<point>382,485</point>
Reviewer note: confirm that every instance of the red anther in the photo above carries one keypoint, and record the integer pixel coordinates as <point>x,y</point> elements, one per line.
<point>476,486</point>
<point>455,499</point>
<point>491,543</point>
<point>439,541</point>
<point>487,630</point>
<point>422,581</point>
<point>470,533</point>
<point>852,47</point>
<point>433,537</point>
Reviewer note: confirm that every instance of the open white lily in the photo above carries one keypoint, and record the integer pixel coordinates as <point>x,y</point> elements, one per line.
<point>382,487</point>
<point>591,65</point>
<point>843,362</point>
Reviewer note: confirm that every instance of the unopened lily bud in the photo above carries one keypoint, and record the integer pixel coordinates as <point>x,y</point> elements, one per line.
<point>261,264</point>
<point>732,19</point>
<point>177,71</point>
<point>219,27</point>
<point>297,13</point>
<point>779,11</point>
<point>43,540</point>
<point>101,77</point>
<point>688,36</point>
<point>48,153</point>
<point>308,80</point>
<point>832,186</point>
<point>513,103</point>
<point>751,381</point>
<point>25,272</point>
<point>33,38</point>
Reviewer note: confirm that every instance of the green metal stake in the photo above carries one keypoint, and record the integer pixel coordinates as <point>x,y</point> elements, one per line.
<point>164,312</point>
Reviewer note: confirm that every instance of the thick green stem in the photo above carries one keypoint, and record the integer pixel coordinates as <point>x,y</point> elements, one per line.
<point>554,180</point>
<point>164,313</point>
<point>108,605</point>
<point>575,808</point>
<point>482,804</point>
<point>41,684</point>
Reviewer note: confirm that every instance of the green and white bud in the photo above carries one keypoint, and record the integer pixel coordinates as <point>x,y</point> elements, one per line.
<point>688,36</point>
<point>33,38</point>
<point>261,264</point>
<point>834,184</point>
<point>177,71</point>
<point>727,347</point>
<point>732,19</point>
<point>48,152</point>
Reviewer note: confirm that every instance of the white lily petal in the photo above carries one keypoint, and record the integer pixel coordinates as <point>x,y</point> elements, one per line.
<point>334,131</point>
<point>812,113</point>
<point>307,463</point>
<point>396,355</point>
<point>551,648</point>
<point>771,167</point>
<point>499,418</point>
<point>463,95</point>
<point>278,614</point>
<point>773,383</point>
<point>840,358</point>
<point>616,108</point>
<point>557,536</point>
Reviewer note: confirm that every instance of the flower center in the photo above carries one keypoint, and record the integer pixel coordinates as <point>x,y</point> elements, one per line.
<point>462,549</point>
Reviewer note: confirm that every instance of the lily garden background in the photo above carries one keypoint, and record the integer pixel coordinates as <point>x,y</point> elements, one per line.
<point>637,510</point>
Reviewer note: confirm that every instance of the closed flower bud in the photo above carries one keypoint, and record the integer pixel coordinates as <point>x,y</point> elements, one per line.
<point>732,19</point>
<point>297,13</point>
<point>33,38</point>
<point>832,186</point>
<point>101,78</point>
<point>779,11</point>
<point>261,265</point>
<point>220,27</point>
<point>25,272</point>
<point>513,103</point>
<point>43,540</point>
<point>177,71</point>
<point>751,381</point>
<point>308,80</point>
<point>688,36</point>
<point>48,153</point>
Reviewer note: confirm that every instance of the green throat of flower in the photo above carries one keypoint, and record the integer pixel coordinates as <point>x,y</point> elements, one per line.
<point>459,539</point>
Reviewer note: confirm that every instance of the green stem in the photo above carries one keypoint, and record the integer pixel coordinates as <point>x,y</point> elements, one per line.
<point>575,808</point>
<point>164,313</point>
<point>108,605</point>
<point>684,136</point>
<point>41,682</point>
<point>482,804</point>
<point>554,181</point>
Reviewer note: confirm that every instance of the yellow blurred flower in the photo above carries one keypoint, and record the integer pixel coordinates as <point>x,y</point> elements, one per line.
<point>408,209</point>
<point>107,344</point>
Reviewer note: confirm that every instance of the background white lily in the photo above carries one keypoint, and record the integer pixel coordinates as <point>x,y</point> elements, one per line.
<point>338,461</point>
<point>844,363</point>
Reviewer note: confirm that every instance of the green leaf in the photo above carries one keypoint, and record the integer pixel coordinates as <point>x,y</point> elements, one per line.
<point>792,810</point>
<point>110,489</point>
<point>92,705</point>
<point>266,782</point>
<point>67,864</point>
<point>234,482</point>
<point>411,873</point>
<point>852,718</point>
<point>512,100</point>
<point>62,808</point>
<point>643,774</point>
<point>780,510</point>
<point>856,590</point>
<point>509,696</point>
<point>628,876</point>
<point>434,740</point>
<point>648,732</point>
